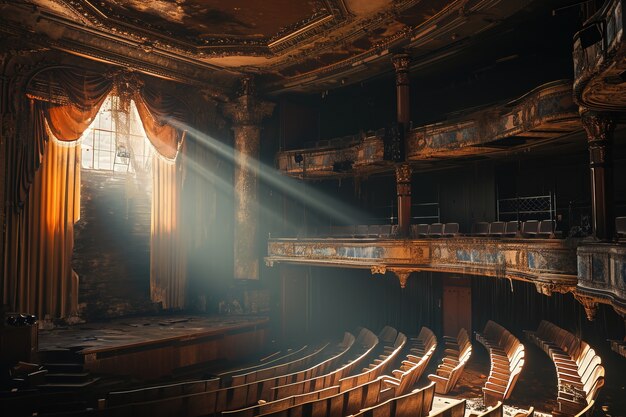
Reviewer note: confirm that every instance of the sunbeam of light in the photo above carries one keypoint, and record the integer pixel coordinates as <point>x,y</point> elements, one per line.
<point>336,210</point>
<point>224,187</point>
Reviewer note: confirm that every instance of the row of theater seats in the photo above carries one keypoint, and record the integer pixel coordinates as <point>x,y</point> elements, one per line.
<point>528,229</point>
<point>354,376</point>
<point>579,369</point>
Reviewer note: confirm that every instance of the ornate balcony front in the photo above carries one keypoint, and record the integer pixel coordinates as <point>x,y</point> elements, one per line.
<point>600,60</point>
<point>545,113</point>
<point>602,275</point>
<point>548,263</point>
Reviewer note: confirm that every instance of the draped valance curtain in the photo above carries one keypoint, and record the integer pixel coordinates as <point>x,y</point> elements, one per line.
<point>44,188</point>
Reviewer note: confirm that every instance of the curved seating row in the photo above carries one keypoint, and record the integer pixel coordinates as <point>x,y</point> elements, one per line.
<point>214,401</point>
<point>529,228</point>
<point>507,360</point>
<point>421,351</point>
<point>360,379</point>
<point>273,359</point>
<point>266,372</point>
<point>579,369</point>
<point>416,403</point>
<point>457,352</point>
<point>366,342</point>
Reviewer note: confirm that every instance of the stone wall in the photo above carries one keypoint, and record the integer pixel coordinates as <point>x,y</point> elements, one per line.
<point>112,246</point>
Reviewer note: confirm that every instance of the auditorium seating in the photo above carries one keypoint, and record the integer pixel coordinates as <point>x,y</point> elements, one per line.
<point>366,343</point>
<point>239,378</point>
<point>496,229</point>
<point>379,366</point>
<point>341,404</point>
<point>419,230</point>
<point>451,229</point>
<point>579,369</point>
<point>546,229</point>
<point>511,229</point>
<point>456,354</point>
<point>527,229</point>
<point>117,398</point>
<point>240,396</point>
<point>416,403</point>
<point>480,229</point>
<point>507,360</point>
<point>403,379</point>
<point>393,343</point>
<point>271,360</point>
<point>530,228</point>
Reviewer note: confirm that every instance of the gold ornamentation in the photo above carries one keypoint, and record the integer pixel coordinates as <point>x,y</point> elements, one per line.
<point>403,173</point>
<point>378,269</point>
<point>403,276</point>
<point>599,126</point>
<point>590,305</point>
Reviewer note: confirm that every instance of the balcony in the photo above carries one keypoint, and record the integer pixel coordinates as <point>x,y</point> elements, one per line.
<point>599,60</point>
<point>548,263</point>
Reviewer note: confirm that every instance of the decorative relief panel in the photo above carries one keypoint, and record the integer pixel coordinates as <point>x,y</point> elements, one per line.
<point>602,274</point>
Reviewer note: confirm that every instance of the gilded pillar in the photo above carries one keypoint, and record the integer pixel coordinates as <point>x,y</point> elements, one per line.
<point>403,188</point>
<point>246,113</point>
<point>599,128</point>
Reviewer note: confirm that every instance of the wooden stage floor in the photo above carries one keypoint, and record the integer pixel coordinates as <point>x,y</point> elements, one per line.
<point>152,347</point>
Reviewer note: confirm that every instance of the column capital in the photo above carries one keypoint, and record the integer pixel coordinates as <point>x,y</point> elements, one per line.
<point>401,62</point>
<point>599,126</point>
<point>403,173</point>
<point>247,109</point>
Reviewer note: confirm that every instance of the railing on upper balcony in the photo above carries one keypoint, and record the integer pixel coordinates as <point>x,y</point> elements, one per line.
<point>598,39</point>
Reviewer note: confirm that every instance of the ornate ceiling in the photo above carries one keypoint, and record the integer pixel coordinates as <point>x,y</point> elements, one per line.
<point>291,45</point>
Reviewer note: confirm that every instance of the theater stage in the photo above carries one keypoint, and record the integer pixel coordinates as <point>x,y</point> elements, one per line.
<point>152,347</point>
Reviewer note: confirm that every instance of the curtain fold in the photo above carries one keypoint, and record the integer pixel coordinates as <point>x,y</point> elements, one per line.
<point>167,254</point>
<point>43,187</point>
<point>40,239</point>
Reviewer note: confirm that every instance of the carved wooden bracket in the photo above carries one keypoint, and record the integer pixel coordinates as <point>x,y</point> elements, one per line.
<point>549,288</point>
<point>590,305</point>
<point>403,275</point>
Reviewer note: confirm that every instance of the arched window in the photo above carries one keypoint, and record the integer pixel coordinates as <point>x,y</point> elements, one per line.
<point>116,140</point>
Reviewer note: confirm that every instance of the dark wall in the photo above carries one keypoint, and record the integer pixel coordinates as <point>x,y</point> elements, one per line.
<point>339,300</point>
<point>112,246</point>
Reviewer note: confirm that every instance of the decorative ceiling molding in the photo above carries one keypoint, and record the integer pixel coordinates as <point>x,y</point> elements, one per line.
<point>310,46</point>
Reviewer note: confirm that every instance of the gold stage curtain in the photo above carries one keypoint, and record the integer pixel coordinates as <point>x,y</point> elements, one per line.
<point>167,254</point>
<point>40,239</point>
<point>44,181</point>
<point>45,195</point>
<point>168,258</point>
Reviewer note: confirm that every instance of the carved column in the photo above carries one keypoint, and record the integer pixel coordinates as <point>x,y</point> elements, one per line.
<point>246,113</point>
<point>599,128</point>
<point>401,64</point>
<point>403,171</point>
<point>403,189</point>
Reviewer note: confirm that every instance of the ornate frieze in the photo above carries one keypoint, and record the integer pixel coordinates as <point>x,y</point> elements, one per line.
<point>549,263</point>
